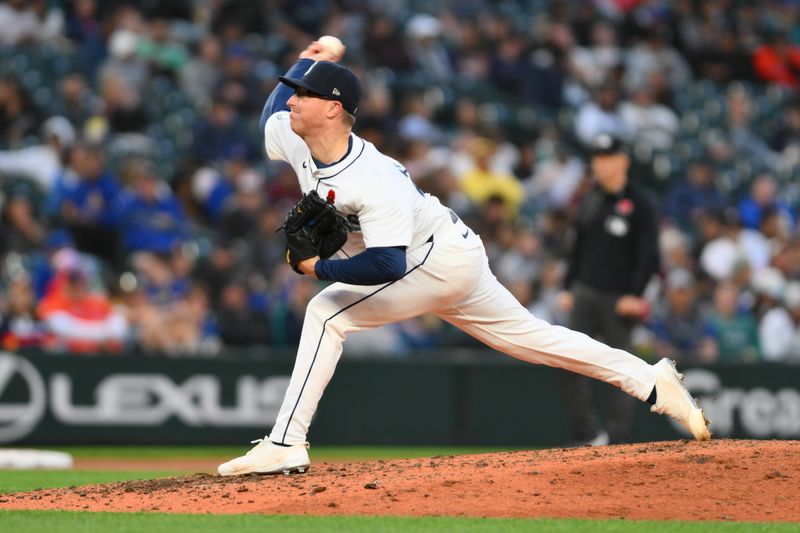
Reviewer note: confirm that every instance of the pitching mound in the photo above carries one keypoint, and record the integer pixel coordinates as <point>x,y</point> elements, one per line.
<point>717,480</point>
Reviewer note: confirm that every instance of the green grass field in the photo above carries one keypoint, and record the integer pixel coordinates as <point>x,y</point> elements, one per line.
<point>36,521</point>
<point>62,521</point>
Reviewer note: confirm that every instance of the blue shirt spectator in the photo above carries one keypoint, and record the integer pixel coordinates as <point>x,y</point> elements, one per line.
<point>150,217</point>
<point>695,195</point>
<point>219,134</point>
<point>763,198</point>
<point>83,199</point>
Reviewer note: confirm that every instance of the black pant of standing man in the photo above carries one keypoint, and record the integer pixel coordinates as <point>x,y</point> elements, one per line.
<point>594,313</point>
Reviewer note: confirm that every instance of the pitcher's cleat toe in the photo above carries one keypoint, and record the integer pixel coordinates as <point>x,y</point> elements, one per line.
<point>674,400</point>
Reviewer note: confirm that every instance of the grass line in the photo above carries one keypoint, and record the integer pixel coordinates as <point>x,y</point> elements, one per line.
<point>319,453</point>
<point>66,521</point>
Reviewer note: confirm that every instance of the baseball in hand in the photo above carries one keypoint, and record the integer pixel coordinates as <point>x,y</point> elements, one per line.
<point>333,44</point>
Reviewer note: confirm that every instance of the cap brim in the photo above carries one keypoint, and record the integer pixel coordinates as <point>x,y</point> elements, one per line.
<point>295,83</point>
<point>608,152</point>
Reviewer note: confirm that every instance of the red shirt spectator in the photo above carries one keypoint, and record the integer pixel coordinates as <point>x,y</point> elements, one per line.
<point>778,62</point>
<point>77,320</point>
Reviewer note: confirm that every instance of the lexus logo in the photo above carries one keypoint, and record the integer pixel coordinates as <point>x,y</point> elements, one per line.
<point>19,418</point>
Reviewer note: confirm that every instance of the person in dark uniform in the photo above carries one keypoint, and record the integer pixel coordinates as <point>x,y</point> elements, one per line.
<point>613,257</point>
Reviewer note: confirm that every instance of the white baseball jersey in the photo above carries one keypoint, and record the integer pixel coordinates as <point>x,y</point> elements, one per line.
<point>369,187</point>
<point>447,273</point>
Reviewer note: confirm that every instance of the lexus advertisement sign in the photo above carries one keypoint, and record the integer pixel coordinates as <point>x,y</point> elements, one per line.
<point>68,399</point>
<point>47,399</point>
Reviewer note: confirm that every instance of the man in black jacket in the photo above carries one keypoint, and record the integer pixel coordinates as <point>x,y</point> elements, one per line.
<point>614,255</point>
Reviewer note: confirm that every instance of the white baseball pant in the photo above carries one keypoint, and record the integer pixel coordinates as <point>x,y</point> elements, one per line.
<point>450,277</point>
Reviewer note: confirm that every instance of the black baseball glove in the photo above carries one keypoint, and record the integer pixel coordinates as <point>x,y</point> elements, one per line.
<point>313,227</point>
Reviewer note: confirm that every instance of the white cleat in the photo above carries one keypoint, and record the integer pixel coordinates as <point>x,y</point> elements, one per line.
<point>674,400</point>
<point>268,458</point>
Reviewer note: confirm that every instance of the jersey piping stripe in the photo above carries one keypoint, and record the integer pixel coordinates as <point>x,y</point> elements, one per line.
<point>322,333</point>
<point>363,145</point>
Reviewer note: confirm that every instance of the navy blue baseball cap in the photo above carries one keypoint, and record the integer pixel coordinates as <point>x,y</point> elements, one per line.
<point>607,144</point>
<point>330,81</point>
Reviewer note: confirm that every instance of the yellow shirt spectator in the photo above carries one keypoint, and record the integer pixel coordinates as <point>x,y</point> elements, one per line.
<point>481,183</point>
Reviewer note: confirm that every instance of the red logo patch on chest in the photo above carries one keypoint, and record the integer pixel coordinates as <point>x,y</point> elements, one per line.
<point>331,198</point>
<point>624,207</point>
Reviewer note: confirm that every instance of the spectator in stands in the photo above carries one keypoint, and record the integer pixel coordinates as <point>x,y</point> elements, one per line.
<point>426,49</point>
<point>655,56</point>
<point>523,262</point>
<point>160,284</point>
<point>698,193</point>
<point>723,60</point>
<point>84,27</point>
<point>602,115</point>
<point>19,326</point>
<point>78,319</point>
<point>29,22</point>
<point>679,324</point>
<point>545,85</point>
<point>282,187</point>
<point>481,183</point>
<point>550,283</point>
<point>788,135</point>
<point>762,198</point>
<point>241,212</point>
<point>148,216</point>
<point>239,84</point>
<point>239,324</point>
<point>83,199</point>
<point>779,329</point>
<point>193,329</point>
<point>122,108</point>
<point>214,190</point>
<point>41,163</point>
<point>124,62</point>
<point>418,123</point>
<point>649,121</point>
<point>733,248</point>
<point>217,134</point>
<point>267,249</point>
<point>76,101</point>
<point>594,64</point>
<point>743,137</point>
<point>384,46</point>
<point>735,332</point>
<point>19,116</point>
<point>777,60</point>
<point>219,267</point>
<point>22,231</point>
<point>163,54</point>
<point>510,67</point>
<point>556,179</point>
<point>286,316</point>
<point>202,72</point>
<point>767,286</point>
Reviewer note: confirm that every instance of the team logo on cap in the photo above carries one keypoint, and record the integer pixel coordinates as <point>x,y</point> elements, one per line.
<point>624,207</point>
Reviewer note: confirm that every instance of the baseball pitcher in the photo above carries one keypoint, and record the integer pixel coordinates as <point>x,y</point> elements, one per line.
<point>399,253</point>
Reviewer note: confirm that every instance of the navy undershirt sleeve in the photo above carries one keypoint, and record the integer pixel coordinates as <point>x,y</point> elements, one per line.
<point>372,267</point>
<point>282,92</point>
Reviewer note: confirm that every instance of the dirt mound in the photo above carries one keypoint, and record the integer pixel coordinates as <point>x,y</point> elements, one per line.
<point>717,480</point>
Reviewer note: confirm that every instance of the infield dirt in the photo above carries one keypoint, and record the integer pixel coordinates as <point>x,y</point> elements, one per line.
<point>678,480</point>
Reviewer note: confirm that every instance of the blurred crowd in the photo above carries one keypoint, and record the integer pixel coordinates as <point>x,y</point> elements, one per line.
<point>139,212</point>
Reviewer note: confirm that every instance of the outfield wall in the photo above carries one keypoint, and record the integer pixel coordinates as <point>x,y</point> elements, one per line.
<point>469,398</point>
